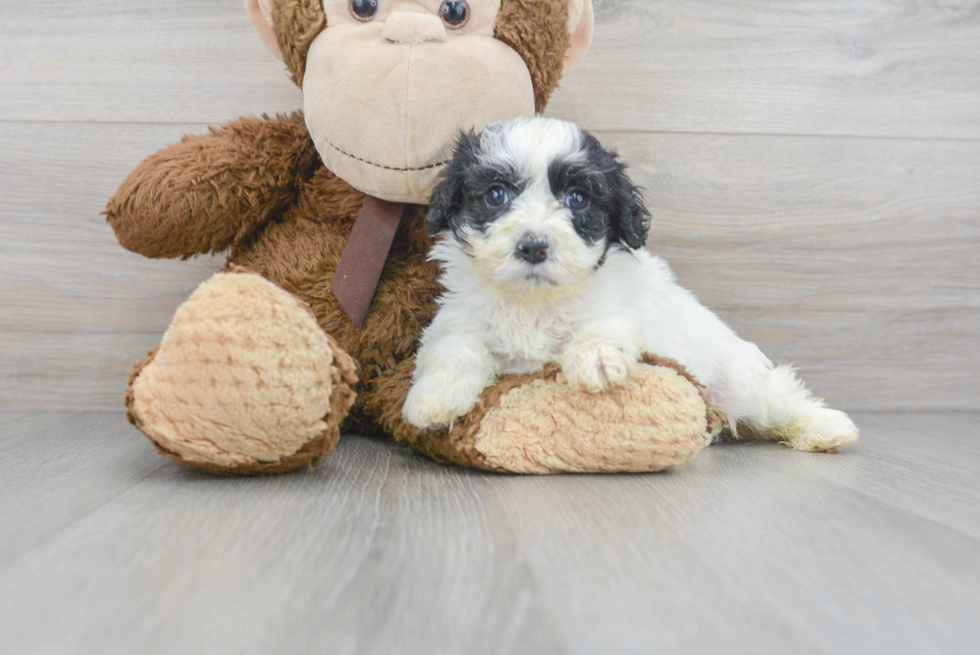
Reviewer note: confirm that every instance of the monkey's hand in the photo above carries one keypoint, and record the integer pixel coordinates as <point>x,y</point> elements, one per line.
<point>209,192</point>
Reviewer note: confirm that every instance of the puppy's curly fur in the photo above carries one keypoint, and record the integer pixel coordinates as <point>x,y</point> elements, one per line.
<point>541,236</point>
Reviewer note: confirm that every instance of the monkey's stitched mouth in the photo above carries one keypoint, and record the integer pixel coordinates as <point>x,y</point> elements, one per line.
<point>387,168</point>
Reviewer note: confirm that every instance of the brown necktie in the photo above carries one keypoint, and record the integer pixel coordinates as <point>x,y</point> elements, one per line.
<point>363,261</point>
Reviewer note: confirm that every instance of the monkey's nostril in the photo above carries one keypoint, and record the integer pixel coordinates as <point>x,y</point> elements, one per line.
<point>533,251</point>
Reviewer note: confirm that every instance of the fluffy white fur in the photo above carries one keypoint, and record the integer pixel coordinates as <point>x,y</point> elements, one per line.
<point>502,315</point>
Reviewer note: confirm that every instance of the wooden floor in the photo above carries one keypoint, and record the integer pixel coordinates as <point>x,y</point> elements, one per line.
<point>751,548</point>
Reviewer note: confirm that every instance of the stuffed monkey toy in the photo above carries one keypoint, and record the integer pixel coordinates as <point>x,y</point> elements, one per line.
<point>315,319</point>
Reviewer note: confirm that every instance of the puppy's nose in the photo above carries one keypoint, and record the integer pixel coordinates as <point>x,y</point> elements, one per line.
<point>533,251</point>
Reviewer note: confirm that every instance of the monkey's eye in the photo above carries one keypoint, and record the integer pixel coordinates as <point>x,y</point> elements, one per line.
<point>454,13</point>
<point>498,196</point>
<point>576,200</point>
<point>364,10</point>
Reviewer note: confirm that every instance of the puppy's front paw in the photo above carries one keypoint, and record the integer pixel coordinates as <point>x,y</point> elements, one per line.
<point>435,402</point>
<point>823,430</point>
<point>596,366</point>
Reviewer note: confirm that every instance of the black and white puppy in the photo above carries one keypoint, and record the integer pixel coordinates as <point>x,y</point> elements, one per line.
<point>541,236</point>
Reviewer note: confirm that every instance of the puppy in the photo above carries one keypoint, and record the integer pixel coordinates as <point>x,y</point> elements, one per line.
<point>540,235</point>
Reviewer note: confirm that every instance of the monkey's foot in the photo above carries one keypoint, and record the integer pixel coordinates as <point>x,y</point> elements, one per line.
<point>244,382</point>
<point>538,424</point>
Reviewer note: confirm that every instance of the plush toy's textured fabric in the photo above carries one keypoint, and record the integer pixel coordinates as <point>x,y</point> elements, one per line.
<point>298,250</point>
<point>618,431</point>
<point>241,343</point>
<point>402,165</point>
<point>515,48</point>
<point>297,24</point>
<point>538,31</point>
<point>258,369</point>
<point>300,254</point>
<point>538,424</point>
<point>212,192</point>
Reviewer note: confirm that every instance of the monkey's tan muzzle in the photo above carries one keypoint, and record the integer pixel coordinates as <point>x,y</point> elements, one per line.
<point>385,102</point>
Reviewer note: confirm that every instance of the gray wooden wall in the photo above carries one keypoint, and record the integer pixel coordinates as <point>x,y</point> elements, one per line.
<point>813,166</point>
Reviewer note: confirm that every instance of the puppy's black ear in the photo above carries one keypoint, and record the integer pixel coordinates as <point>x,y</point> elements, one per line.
<point>443,205</point>
<point>447,198</point>
<point>631,220</point>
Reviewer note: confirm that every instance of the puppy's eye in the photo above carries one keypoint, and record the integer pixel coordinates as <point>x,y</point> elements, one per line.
<point>455,13</point>
<point>576,200</point>
<point>364,10</point>
<point>498,196</point>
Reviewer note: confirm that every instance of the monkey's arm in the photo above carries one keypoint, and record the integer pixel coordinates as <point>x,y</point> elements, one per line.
<point>210,192</point>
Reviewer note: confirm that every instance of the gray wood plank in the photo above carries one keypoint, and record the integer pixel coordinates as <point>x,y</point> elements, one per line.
<point>59,467</point>
<point>750,548</point>
<point>857,259</point>
<point>867,67</point>
<point>119,61</point>
<point>56,251</point>
<point>343,558</point>
<point>743,551</point>
<point>77,309</point>
<point>861,67</point>
<point>928,467</point>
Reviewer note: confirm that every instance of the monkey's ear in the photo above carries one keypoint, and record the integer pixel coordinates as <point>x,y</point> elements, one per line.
<point>260,13</point>
<point>581,25</point>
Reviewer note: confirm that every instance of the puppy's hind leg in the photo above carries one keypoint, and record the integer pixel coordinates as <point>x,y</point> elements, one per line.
<point>779,407</point>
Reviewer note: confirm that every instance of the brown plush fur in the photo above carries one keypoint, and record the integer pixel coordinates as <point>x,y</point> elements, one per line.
<point>458,444</point>
<point>538,31</point>
<point>258,188</point>
<point>208,193</point>
<point>297,24</point>
<point>300,254</point>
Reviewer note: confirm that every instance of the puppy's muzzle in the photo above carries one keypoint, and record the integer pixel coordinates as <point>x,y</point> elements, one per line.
<point>532,250</point>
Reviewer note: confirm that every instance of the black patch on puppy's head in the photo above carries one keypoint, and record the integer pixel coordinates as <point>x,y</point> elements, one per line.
<point>460,200</point>
<point>615,209</point>
<point>614,212</point>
